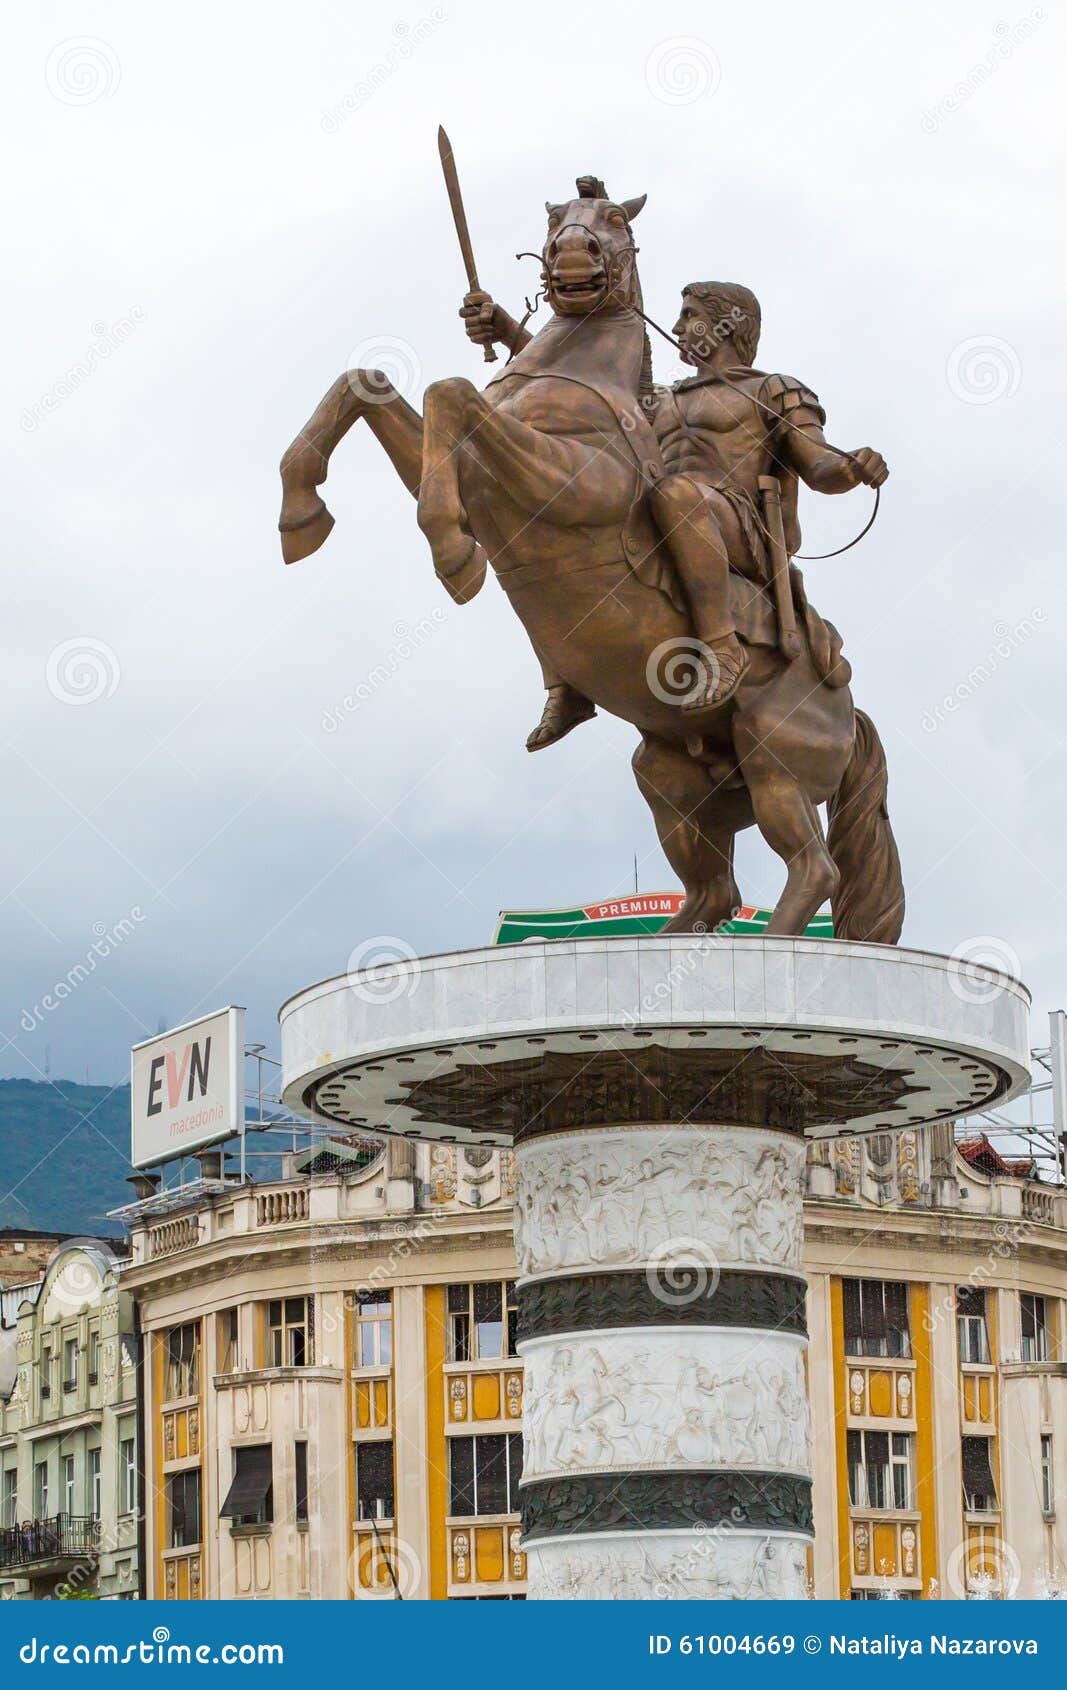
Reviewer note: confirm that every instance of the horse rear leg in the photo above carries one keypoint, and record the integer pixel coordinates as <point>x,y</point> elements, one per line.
<point>696,825</point>
<point>305,522</point>
<point>789,822</point>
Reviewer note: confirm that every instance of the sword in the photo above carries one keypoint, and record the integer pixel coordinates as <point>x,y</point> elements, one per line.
<point>459,217</point>
<point>771,498</point>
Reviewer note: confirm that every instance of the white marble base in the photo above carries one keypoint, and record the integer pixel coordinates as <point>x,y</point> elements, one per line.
<point>353,1047</point>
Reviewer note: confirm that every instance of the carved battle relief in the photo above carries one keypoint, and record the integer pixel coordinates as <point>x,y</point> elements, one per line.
<point>623,1401</point>
<point>714,1565</point>
<point>613,1198</point>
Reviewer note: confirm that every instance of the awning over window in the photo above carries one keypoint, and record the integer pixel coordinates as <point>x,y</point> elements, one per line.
<point>251,1482</point>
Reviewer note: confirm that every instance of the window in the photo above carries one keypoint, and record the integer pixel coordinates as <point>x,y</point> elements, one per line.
<point>183,1361</point>
<point>1048,1481</point>
<point>880,1595</point>
<point>250,1498</point>
<point>127,1476</point>
<point>92,1483</point>
<point>183,1508</point>
<point>68,1484</point>
<point>481,1321</point>
<point>40,1490</point>
<point>70,1364</point>
<point>876,1317</point>
<point>971,1326</point>
<point>880,1469</point>
<point>94,1357</point>
<point>484,1474</point>
<point>226,1328</point>
<point>46,1371</point>
<point>374,1329</point>
<point>1036,1330</point>
<point>374,1481</point>
<point>979,1491</point>
<point>9,1498</point>
<point>301,1452</point>
<point>291,1332</point>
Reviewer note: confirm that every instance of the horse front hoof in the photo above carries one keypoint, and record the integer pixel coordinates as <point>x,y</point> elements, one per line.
<point>304,534</point>
<point>461,569</point>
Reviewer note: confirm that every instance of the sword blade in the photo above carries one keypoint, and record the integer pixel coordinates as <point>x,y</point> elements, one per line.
<point>455,200</point>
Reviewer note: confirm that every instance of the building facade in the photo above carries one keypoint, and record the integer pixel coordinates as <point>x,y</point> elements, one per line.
<point>69,1489</point>
<point>333,1395</point>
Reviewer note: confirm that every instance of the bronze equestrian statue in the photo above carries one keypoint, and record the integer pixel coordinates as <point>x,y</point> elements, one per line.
<point>644,537</point>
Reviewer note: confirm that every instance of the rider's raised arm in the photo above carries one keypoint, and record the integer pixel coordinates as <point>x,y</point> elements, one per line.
<point>801,444</point>
<point>488,324</point>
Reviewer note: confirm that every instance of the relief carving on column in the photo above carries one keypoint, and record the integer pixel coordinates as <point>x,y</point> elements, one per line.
<point>621,1401</point>
<point>618,1197</point>
<point>708,1566</point>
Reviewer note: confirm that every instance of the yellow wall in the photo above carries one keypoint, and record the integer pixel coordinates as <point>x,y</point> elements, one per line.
<point>436,1452</point>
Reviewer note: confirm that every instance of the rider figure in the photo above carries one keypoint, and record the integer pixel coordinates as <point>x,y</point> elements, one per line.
<point>719,431</point>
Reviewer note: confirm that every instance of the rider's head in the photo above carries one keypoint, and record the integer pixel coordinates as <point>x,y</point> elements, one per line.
<point>715,312</point>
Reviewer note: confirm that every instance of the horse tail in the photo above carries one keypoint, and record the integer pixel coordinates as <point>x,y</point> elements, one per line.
<point>869,902</point>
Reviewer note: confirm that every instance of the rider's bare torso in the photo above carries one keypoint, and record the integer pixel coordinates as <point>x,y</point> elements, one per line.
<point>714,429</point>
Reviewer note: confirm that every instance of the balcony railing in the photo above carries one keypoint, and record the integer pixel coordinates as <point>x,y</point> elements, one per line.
<point>64,1537</point>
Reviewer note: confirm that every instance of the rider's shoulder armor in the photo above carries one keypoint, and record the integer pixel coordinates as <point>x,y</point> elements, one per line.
<point>786,395</point>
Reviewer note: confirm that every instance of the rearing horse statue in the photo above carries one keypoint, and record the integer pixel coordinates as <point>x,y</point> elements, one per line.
<point>549,475</point>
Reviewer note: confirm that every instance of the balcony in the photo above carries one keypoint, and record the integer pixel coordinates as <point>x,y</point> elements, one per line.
<point>45,1545</point>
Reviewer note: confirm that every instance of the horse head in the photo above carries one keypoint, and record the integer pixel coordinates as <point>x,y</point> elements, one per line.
<point>589,258</point>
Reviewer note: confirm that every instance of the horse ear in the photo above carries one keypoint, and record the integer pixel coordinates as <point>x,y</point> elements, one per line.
<point>550,208</point>
<point>632,207</point>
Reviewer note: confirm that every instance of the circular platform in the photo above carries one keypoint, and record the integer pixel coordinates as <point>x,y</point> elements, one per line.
<point>811,1036</point>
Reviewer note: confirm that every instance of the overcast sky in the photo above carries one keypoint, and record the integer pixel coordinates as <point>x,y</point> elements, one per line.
<point>211,210</point>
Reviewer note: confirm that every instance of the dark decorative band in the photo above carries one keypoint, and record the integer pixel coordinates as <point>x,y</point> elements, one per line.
<point>683,1295</point>
<point>612,1502</point>
<point>789,1091</point>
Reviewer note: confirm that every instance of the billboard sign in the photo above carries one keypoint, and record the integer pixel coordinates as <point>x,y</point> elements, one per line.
<point>617,918</point>
<point>187,1088</point>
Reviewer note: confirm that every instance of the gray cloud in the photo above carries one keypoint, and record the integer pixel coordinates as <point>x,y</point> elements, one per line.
<point>192,257</point>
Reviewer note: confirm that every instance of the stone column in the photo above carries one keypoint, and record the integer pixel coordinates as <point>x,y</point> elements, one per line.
<point>661,1306</point>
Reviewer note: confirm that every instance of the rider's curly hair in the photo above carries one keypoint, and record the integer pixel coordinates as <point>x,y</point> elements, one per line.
<point>733,311</point>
